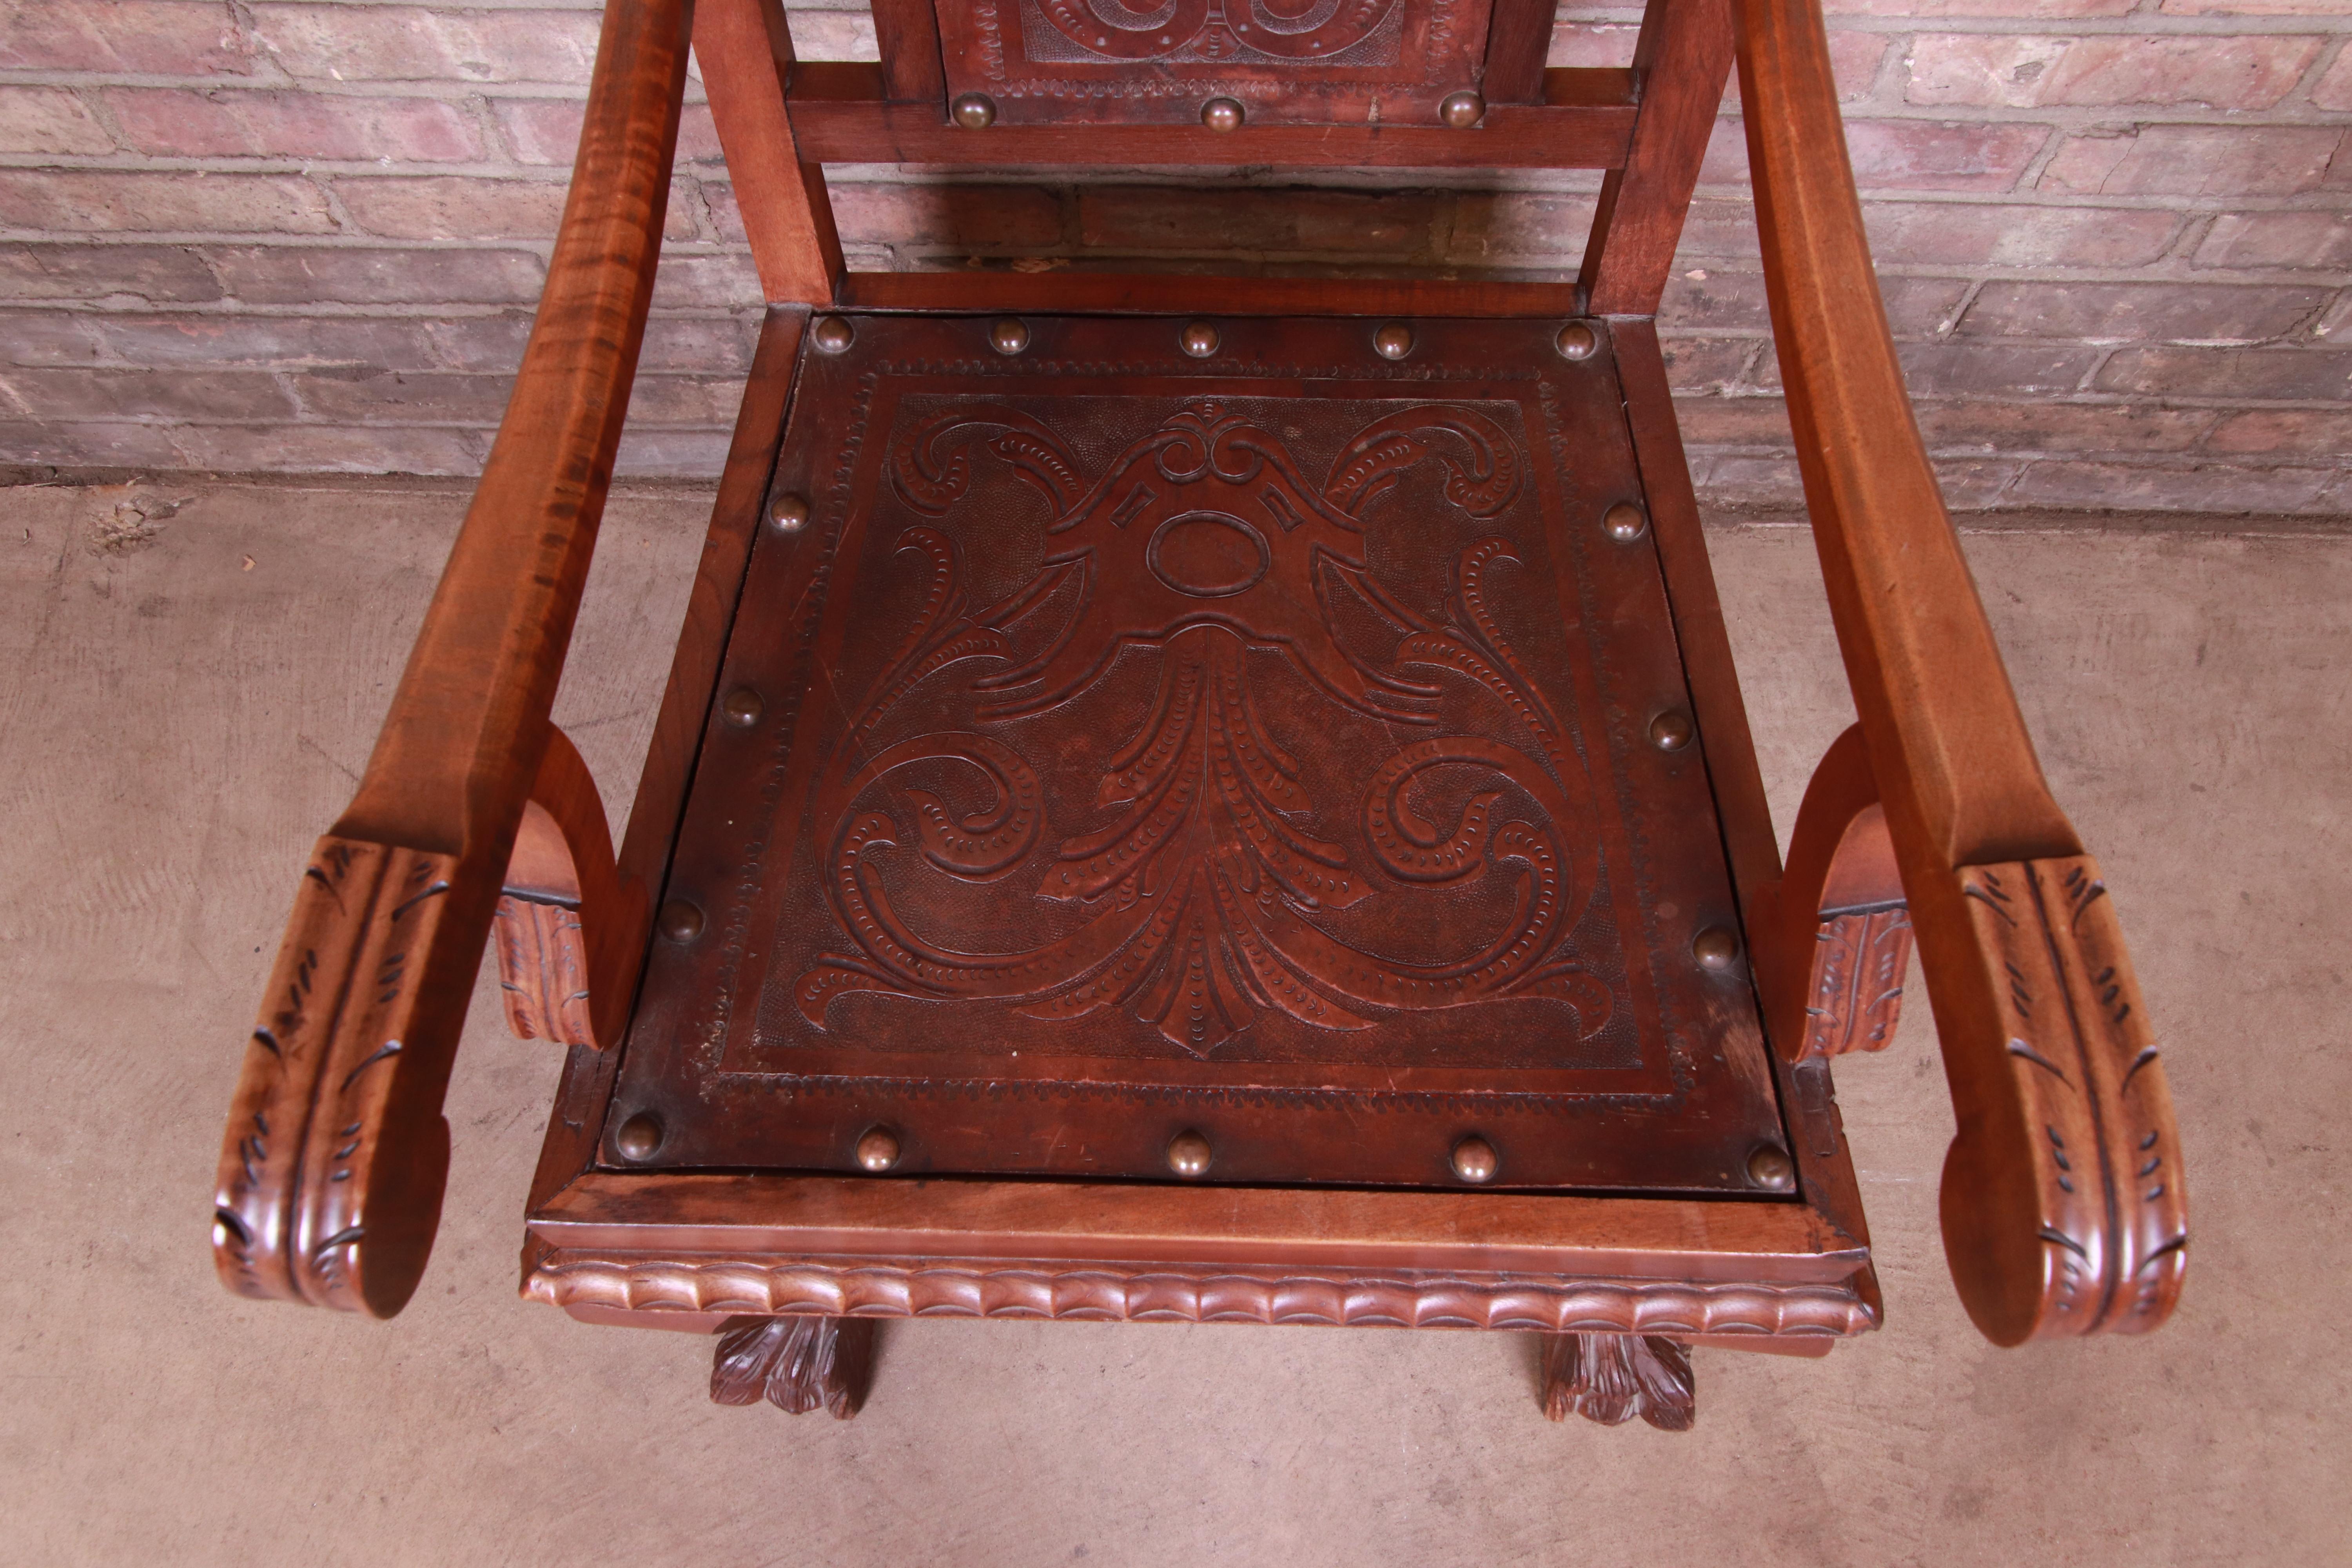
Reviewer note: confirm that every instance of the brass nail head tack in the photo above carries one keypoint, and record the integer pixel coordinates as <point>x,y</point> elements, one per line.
<point>975,111</point>
<point>1625,522</point>
<point>1198,338</point>
<point>1189,1153</point>
<point>1716,948</point>
<point>1462,109</point>
<point>1671,730</point>
<point>1221,114</point>
<point>681,922</point>
<point>832,335</point>
<point>1393,340</point>
<point>1771,1168</point>
<point>741,708</point>
<point>1474,1160</point>
<point>877,1150</point>
<point>1009,336</point>
<point>787,513</point>
<point>639,1136</point>
<point>1576,341</point>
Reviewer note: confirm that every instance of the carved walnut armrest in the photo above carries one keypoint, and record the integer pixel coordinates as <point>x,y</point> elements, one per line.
<point>335,1153</point>
<point>2064,1210</point>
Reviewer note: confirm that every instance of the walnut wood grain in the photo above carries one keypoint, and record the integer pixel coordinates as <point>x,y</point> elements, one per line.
<point>1098,1223</point>
<point>1611,1378</point>
<point>1961,789</point>
<point>840,114</point>
<point>746,53</point>
<point>336,1202</point>
<point>907,35</point>
<point>1682,59</point>
<point>1518,36</point>
<point>798,1364</point>
<point>569,932</point>
<point>940,1287</point>
<point>1187,294</point>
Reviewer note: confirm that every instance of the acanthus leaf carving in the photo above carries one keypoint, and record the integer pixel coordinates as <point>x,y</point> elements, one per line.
<point>1202,897</point>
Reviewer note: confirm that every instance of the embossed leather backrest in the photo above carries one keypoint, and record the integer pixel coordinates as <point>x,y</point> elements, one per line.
<point>1044,62</point>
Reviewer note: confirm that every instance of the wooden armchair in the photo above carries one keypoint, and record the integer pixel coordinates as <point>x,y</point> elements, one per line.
<point>1211,797</point>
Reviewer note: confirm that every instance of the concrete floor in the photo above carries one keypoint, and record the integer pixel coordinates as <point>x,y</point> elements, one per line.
<point>185,699</point>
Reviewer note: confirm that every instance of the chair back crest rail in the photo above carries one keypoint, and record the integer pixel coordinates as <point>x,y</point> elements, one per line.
<point>2063,1204</point>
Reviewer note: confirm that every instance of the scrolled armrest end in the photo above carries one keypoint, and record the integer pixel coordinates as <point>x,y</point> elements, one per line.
<point>2064,1205</point>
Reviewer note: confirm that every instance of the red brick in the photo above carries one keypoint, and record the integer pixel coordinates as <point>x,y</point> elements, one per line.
<point>704,401</point>
<point>2289,432</point>
<point>2176,311</point>
<point>2198,161</point>
<point>367,449</point>
<point>106,200</point>
<point>833,34</point>
<point>1969,233</point>
<point>672,454</point>
<point>1576,44</point>
<point>47,337</point>
<point>1257,222</point>
<point>1706,364</point>
<point>90,444</point>
<point>453,206</point>
<point>48,120</point>
<point>1715,229</point>
<point>2216,488</point>
<point>2044,425</point>
<point>1854,59</point>
<point>2251,8</point>
<point>947,217</point>
<point>1973,484</point>
<point>1518,224</point>
<point>1735,422</point>
<point>369,274</point>
<point>546,131</point>
<point>368,395</point>
<point>2028,9</point>
<point>170,38</point>
<point>95,393</point>
<point>1904,155</point>
<point>1737,481</point>
<point>712,345</point>
<point>2230,373</point>
<point>399,43</point>
<point>224,123</point>
<point>705,282</point>
<point>2321,241</point>
<point>2334,88</point>
<point>275,341</point>
<point>66,271</point>
<point>1946,369</point>
<point>1719,302</point>
<point>2025,72</point>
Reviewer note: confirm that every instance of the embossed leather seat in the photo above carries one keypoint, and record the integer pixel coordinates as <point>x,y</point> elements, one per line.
<point>1211,798</point>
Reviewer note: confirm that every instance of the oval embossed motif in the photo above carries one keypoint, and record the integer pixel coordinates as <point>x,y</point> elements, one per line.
<point>1208,554</point>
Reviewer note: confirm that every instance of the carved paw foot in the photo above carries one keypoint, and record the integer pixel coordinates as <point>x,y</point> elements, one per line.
<point>798,1362</point>
<point>1611,1378</point>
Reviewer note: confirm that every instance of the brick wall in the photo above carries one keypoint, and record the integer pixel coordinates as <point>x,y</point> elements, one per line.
<point>2115,235</point>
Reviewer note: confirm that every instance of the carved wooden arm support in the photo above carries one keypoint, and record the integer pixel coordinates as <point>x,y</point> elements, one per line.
<point>571,932</point>
<point>1834,937</point>
<point>2063,1206</point>
<point>335,1154</point>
